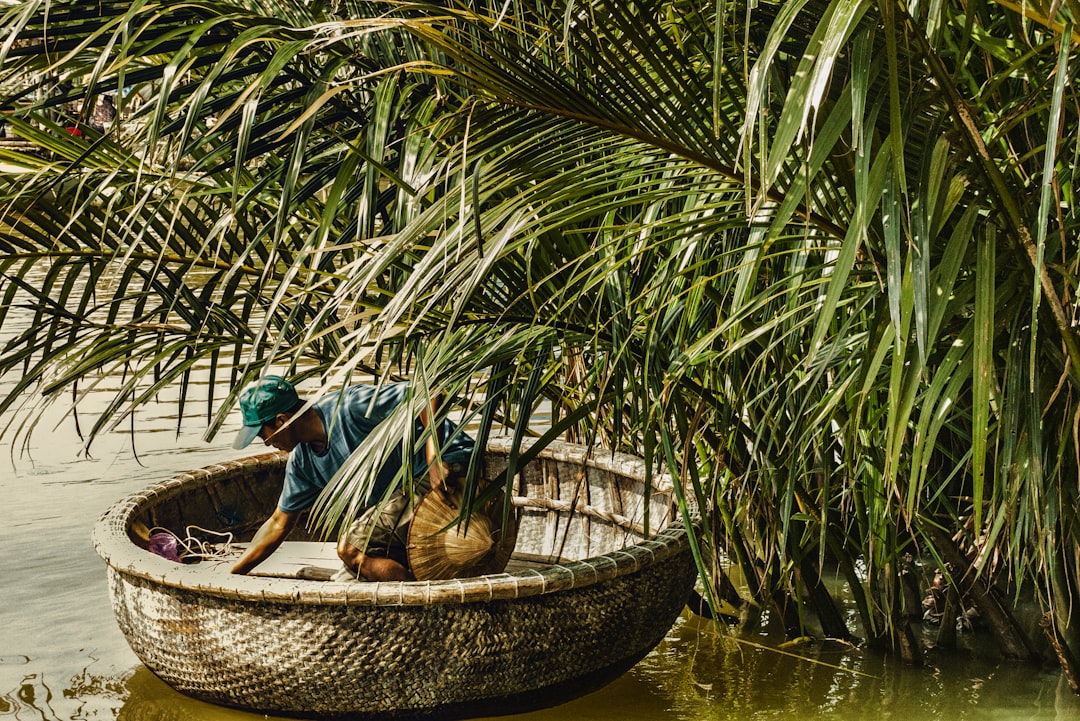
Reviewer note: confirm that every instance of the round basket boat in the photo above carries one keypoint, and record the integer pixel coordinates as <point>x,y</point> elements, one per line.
<point>600,572</point>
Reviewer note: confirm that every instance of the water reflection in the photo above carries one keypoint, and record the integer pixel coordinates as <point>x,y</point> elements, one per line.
<point>87,696</point>
<point>694,675</point>
<point>710,676</point>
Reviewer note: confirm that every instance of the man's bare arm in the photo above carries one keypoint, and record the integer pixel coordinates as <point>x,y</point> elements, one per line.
<point>273,531</point>
<point>437,469</point>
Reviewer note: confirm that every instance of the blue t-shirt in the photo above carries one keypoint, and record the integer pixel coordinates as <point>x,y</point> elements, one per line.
<point>348,419</point>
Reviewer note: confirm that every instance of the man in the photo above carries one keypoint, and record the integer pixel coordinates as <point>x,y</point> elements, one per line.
<point>103,115</point>
<point>319,438</point>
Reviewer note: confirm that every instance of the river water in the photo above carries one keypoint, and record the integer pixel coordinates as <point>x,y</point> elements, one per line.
<point>62,656</point>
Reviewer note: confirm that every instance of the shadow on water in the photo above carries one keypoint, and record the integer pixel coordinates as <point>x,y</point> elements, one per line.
<point>150,699</point>
<point>139,695</point>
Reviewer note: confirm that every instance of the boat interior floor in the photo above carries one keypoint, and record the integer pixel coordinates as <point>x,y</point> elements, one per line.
<point>318,561</point>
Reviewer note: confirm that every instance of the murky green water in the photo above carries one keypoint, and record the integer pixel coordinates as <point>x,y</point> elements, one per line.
<point>62,655</point>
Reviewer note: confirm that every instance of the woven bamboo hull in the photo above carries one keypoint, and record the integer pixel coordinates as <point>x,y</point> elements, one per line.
<point>499,643</point>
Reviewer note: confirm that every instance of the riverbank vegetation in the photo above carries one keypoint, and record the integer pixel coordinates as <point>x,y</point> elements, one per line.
<point>814,258</point>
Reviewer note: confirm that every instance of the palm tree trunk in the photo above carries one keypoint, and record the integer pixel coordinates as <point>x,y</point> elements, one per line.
<point>1014,643</point>
<point>1062,651</point>
<point>946,637</point>
<point>832,622</point>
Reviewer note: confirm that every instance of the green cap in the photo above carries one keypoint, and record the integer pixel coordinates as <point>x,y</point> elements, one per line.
<point>262,401</point>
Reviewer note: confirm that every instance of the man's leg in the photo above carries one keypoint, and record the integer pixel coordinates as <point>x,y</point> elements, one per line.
<point>383,531</point>
<point>373,568</point>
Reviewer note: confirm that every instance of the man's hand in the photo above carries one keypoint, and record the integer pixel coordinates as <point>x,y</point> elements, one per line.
<point>269,536</point>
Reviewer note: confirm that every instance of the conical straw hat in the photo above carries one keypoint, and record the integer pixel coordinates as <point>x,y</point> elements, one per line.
<point>439,550</point>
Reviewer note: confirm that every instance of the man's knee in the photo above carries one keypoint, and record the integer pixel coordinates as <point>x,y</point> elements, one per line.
<point>373,568</point>
<point>349,554</point>
<point>376,568</point>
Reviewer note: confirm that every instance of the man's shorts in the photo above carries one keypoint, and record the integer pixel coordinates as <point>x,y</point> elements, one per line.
<point>382,531</point>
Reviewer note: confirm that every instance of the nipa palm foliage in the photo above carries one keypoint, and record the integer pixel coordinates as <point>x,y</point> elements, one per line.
<point>811,257</point>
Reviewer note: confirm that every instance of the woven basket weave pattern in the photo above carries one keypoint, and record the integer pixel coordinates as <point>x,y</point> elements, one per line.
<point>398,649</point>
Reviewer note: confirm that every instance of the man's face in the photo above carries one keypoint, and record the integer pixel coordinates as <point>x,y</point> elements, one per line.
<point>275,433</point>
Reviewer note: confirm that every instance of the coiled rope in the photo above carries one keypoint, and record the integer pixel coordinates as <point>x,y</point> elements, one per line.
<point>193,546</point>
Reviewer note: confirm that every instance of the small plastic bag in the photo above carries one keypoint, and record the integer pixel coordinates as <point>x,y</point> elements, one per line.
<point>164,544</point>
